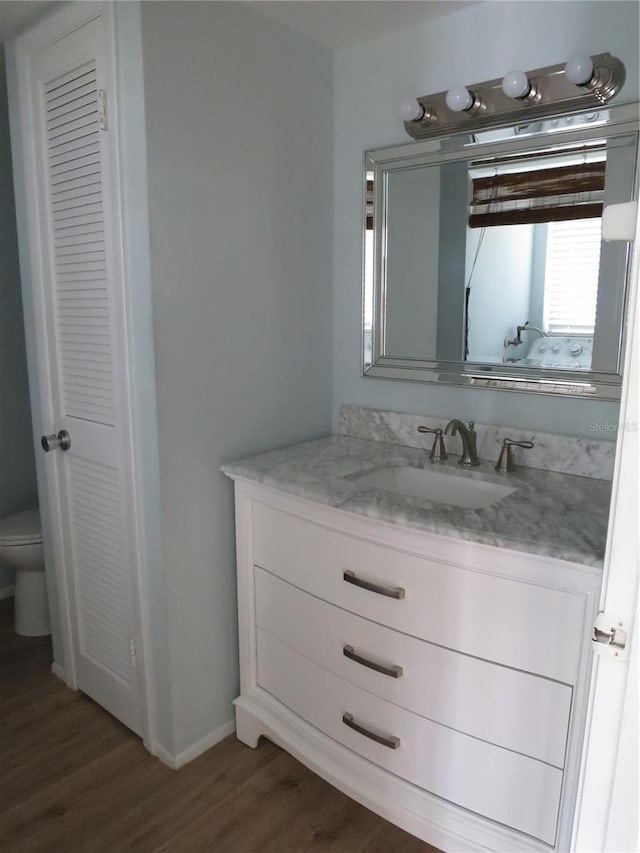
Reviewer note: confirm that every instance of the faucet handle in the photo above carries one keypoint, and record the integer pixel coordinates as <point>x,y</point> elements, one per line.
<point>438,450</point>
<point>505,462</point>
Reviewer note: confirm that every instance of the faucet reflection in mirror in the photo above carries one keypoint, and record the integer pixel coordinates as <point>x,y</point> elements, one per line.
<point>517,341</point>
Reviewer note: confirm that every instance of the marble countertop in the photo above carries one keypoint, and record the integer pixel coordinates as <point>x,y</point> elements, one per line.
<point>551,514</point>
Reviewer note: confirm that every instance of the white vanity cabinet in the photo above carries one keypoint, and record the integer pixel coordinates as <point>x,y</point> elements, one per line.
<point>439,682</point>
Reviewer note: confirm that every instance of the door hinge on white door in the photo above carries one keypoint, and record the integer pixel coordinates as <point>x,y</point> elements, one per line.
<point>609,637</point>
<point>102,109</point>
<point>132,652</point>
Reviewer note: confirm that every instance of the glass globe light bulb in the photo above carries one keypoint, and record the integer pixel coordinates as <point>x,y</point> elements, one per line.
<point>516,84</point>
<point>410,111</point>
<point>579,70</point>
<point>459,99</point>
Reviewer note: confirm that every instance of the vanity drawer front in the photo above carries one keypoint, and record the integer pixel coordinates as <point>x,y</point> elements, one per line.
<point>522,712</point>
<point>523,625</point>
<point>476,775</point>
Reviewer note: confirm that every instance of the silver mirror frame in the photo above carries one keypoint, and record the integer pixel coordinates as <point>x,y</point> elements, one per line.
<point>623,119</point>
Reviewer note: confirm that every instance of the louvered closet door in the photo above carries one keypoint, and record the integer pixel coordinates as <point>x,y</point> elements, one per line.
<point>81,302</point>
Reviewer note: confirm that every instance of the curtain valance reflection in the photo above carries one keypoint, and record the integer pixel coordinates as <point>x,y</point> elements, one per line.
<point>556,194</point>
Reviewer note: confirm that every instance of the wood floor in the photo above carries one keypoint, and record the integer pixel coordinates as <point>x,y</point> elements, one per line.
<point>73,780</point>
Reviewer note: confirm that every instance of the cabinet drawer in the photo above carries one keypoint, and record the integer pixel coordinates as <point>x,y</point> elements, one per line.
<point>523,625</point>
<point>522,712</point>
<point>502,785</point>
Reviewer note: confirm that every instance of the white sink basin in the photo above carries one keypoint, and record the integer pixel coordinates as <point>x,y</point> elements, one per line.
<point>437,486</point>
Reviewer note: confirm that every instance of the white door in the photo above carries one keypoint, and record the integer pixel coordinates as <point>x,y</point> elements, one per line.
<point>607,816</point>
<point>66,93</point>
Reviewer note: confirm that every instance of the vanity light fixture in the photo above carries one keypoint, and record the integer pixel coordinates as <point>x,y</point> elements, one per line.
<point>583,83</point>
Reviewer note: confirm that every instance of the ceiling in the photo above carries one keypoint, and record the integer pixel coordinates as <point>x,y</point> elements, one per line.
<point>15,14</point>
<point>343,23</point>
<point>333,23</point>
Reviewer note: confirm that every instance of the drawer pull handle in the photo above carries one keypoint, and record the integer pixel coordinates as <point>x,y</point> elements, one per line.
<point>389,591</point>
<point>389,741</point>
<point>392,671</point>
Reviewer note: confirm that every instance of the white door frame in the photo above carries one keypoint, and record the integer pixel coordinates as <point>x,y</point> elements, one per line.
<point>607,811</point>
<point>123,29</point>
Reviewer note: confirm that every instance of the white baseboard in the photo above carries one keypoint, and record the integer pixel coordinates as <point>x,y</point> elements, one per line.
<point>163,755</point>
<point>58,671</point>
<point>7,592</point>
<point>175,762</point>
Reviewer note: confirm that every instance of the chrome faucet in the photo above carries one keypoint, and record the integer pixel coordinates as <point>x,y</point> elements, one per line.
<point>468,437</point>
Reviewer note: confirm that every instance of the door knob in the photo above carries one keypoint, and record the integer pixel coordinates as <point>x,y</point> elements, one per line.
<point>52,442</point>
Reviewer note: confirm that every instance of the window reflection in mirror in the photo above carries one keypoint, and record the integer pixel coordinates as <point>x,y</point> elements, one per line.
<point>552,247</point>
<point>498,260</point>
<point>553,289</point>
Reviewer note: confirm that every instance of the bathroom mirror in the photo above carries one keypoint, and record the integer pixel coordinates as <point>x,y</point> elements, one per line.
<point>483,260</point>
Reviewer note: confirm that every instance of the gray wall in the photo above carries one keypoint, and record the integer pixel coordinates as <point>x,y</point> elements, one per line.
<point>413,235</point>
<point>451,264</point>
<point>17,466</point>
<point>239,131</point>
<point>371,82</point>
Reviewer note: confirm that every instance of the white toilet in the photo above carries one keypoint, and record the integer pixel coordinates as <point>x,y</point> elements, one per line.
<point>21,549</point>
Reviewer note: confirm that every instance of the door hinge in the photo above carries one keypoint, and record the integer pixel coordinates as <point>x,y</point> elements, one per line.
<point>609,637</point>
<point>102,109</point>
<point>132,652</point>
